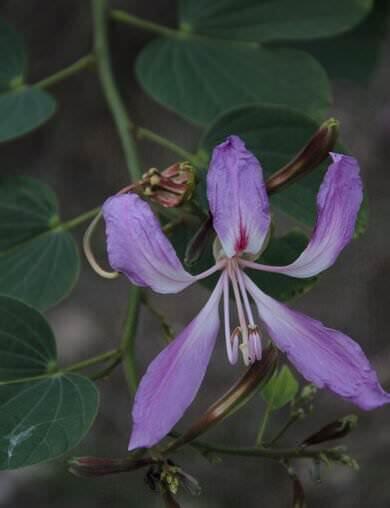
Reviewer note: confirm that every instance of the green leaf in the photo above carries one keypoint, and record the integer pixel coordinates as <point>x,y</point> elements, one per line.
<point>280,252</point>
<point>357,51</point>
<point>274,135</point>
<point>12,56</point>
<point>27,345</point>
<point>45,417</point>
<point>271,20</point>
<point>39,261</point>
<point>200,81</point>
<point>280,389</point>
<point>23,110</point>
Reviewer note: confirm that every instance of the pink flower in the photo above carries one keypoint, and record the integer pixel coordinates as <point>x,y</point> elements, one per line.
<point>240,210</point>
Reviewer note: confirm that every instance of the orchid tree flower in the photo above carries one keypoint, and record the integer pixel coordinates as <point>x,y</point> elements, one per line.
<point>239,205</point>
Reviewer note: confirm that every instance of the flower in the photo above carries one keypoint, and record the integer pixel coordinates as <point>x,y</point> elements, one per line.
<point>239,206</point>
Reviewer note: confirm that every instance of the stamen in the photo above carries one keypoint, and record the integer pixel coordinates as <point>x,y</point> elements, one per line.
<point>244,294</point>
<point>230,338</point>
<point>255,343</point>
<point>232,268</point>
<point>219,265</point>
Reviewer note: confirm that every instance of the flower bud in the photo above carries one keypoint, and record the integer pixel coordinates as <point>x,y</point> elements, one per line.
<point>311,155</point>
<point>169,188</point>
<point>87,467</point>
<point>334,430</point>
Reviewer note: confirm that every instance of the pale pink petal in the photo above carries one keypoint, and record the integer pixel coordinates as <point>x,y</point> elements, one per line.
<point>238,198</point>
<point>338,204</point>
<point>325,357</point>
<point>174,377</point>
<point>138,247</point>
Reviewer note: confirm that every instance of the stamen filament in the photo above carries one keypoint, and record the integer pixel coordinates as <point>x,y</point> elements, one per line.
<point>231,341</point>
<point>219,265</point>
<point>232,267</point>
<point>244,294</point>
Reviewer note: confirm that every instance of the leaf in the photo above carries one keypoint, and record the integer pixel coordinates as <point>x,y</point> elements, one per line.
<point>43,418</point>
<point>271,20</point>
<point>280,389</point>
<point>357,51</point>
<point>200,81</point>
<point>39,261</point>
<point>12,56</point>
<point>23,110</point>
<point>274,134</point>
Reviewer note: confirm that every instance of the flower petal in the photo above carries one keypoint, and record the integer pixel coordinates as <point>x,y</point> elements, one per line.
<point>238,198</point>
<point>174,377</point>
<point>138,247</point>
<point>326,357</point>
<point>338,204</point>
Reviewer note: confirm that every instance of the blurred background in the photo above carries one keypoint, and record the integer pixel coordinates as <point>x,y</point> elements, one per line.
<point>78,154</point>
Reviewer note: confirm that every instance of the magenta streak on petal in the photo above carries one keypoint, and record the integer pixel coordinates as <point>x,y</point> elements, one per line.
<point>238,198</point>
<point>173,378</point>
<point>138,247</point>
<point>338,204</point>
<point>326,357</point>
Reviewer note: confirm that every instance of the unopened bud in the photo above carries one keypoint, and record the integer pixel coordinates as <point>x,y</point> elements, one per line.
<point>311,156</point>
<point>334,430</point>
<point>87,467</point>
<point>252,381</point>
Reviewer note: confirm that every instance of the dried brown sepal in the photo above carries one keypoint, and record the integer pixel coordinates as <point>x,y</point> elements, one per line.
<point>169,188</point>
<point>311,156</point>
<point>254,378</point>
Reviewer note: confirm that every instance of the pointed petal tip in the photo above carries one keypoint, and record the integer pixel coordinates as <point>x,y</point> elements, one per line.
<point>328,358</point>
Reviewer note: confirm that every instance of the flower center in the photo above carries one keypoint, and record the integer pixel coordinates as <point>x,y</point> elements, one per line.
<point>246,336</point>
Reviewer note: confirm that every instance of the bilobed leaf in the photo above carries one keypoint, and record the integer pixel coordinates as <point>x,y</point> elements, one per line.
<point>44,418</point>
<point>200,81</point>
<point>280,389</point>
<point>271,20</point>
<point>23,108</point>
<point>39,262</point>
<point>12,56</point>
<point>27,344</point>
<point>274,135</point>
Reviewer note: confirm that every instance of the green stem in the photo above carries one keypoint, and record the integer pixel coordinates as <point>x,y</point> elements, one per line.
<point>128,338</point>
<point>181,34</point>
<point>103,357</point>
<point>74,68</point>
<point>143,133</point>
<point>76,221</point>
<point>277,454</point>
<point>284,429</point>
<point>263,425</point>
<point>113,98</point>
